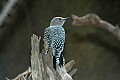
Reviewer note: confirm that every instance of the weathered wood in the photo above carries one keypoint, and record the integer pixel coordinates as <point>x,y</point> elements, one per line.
<point>7,10</point>
<point>36,59</point>
<point>42,66</point>
<point>93,19</point>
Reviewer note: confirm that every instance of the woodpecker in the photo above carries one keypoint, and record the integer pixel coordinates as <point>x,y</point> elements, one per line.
<point>54,36</point>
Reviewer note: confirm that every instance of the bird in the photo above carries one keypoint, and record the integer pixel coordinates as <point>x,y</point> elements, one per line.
<point>54,36</point>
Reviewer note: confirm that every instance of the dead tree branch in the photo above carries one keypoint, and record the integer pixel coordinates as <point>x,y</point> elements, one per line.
<point>7,10</point>
<point>93,19</point>
<point>41,65</point>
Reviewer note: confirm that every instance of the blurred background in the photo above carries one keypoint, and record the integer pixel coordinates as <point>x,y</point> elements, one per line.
<point>95,51</point>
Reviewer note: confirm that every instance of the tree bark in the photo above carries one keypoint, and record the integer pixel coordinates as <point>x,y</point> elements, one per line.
<point>41,65</point>
<point>7,8</point>
<point>93,19</point>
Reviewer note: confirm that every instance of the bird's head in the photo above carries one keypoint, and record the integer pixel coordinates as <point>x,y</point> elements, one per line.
<point>58,21</point>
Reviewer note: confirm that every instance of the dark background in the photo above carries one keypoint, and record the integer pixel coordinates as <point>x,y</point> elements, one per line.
<point>95,51</point>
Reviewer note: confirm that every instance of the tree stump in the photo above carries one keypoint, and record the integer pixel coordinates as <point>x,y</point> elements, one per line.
<point>42,66</point>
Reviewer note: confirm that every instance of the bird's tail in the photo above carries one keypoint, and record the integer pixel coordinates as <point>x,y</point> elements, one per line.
<point>59,60</point>
<point>54,62</point>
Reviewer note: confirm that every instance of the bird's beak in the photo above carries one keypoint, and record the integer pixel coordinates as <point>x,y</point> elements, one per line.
<point>66,18</point>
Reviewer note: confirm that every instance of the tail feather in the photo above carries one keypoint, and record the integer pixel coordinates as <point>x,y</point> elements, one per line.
<point>58,59</point>
<point>54,62</point>
<point>61,61</point>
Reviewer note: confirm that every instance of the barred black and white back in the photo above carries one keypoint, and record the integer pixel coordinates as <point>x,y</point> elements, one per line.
<point>55,38</point>
<point>54,35</point>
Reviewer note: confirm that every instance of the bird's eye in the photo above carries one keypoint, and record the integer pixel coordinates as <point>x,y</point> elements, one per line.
<point>59,18</point>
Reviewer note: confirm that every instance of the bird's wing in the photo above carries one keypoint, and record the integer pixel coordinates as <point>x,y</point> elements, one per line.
<point>47,36</point>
